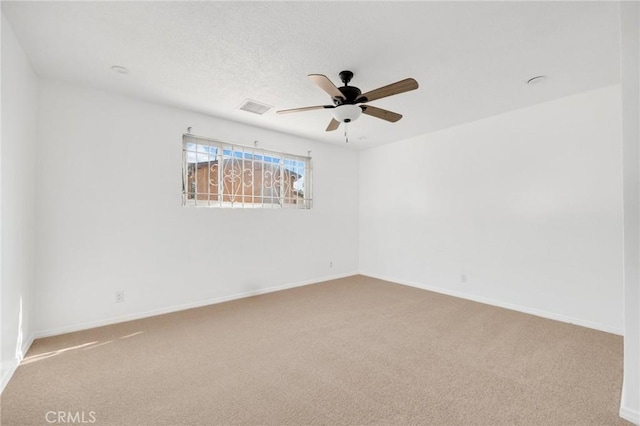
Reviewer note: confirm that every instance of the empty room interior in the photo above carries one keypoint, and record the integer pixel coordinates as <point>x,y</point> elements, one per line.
<point>271,213</point>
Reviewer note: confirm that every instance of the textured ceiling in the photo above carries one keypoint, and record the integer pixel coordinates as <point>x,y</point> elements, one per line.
<point>471,59</point>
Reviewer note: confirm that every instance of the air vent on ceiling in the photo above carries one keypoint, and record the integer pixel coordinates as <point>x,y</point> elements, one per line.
<point>254,107</point>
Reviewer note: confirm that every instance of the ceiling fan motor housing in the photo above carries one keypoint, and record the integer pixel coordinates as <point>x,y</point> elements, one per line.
<point>350,95</point>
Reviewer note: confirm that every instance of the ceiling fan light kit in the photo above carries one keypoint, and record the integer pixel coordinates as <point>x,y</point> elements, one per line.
<point>345,108</point>
<point>346,113</point>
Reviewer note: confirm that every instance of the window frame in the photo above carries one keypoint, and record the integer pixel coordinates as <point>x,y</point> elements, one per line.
<point>281,193</point>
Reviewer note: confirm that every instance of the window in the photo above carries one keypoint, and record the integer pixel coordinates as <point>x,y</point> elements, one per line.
<point>218,174</point>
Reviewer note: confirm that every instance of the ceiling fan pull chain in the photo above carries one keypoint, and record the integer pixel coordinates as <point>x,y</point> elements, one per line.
<point>346,134</point>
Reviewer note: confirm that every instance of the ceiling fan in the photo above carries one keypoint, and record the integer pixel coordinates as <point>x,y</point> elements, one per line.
<point>345,99</point>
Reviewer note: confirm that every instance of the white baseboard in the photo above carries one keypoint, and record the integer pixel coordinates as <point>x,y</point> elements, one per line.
<point>84,326</point>
<point>506,305</point>
<point>630,415</point>
<point>13,365</point>
<point>625,412</point>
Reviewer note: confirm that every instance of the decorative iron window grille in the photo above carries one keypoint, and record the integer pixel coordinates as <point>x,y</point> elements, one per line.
<point>221,174</point>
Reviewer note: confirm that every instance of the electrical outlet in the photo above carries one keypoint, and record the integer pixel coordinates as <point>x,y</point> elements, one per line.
<point>120,296</point>
<point>331,264</point>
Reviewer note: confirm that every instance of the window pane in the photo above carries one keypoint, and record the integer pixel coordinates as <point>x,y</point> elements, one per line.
<point>226,175</point>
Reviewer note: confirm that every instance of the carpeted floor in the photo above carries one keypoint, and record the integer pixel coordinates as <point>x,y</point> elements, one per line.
<point>349,351</point>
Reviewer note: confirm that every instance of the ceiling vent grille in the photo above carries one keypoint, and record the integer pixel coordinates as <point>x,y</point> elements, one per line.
<point>254,107</point>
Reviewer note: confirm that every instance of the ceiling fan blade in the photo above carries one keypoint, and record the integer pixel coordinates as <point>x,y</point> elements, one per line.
<point>392,89</point>
<point>381,113</point>
<point>325,84</point>
<point>287,111</point>
<point>333,125</point>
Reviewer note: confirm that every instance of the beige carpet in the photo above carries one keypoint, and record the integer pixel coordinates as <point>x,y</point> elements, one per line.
<point>350,351</point>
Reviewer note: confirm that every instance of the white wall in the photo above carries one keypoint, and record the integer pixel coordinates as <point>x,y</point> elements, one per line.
<point>527,205</point>
<point>109,214</point>
<point>17,152</point>
<point>630,55</point>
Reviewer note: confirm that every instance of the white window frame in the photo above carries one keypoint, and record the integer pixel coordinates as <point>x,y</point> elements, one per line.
<point>201,151</point>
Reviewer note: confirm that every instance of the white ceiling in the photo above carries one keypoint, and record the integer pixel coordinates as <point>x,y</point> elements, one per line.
<point>471,59</point>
